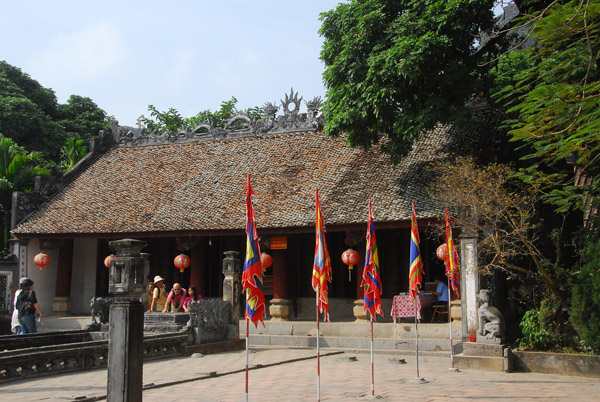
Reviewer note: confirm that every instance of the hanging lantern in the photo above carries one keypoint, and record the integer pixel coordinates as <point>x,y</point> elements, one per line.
<point>108,259</point>
<point>442,252</point>
<point>41,260</point>
<point>182,261</point>
<point>350,258</point>
<point>266,261</point>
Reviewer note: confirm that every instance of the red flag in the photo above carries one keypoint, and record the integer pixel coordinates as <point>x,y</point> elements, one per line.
<point>322,263</point>
<point>415,276</point>
<point>371,280</point>
<point>452,267</point>
<point>252,275</point>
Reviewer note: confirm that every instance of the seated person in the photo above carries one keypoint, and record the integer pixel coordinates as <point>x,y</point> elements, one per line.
<point>192,296</point>
<point>175,299</point>
<point>441,291</point>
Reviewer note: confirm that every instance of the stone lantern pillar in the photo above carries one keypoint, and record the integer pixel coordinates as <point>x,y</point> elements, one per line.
<point>128,273</point>
<point>469,281</point>
<point>232,288</point>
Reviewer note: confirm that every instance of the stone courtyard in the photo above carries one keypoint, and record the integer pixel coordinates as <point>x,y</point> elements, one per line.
<point>289,374</point>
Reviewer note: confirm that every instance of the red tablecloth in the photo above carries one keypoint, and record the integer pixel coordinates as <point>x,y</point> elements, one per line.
<point>403,306</point>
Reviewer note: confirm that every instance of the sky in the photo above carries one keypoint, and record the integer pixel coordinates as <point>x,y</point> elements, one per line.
<point>189,55</point>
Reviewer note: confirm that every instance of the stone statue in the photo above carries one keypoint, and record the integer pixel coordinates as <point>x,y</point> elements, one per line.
<point>100,306</point>
<point>491,321</point>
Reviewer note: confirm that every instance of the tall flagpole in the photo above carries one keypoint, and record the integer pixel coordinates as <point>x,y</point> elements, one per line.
<point>372,364</point>
<point>450,325</point>
<point>247,331</point>
<point>416,334</point>
<point>318,355</point>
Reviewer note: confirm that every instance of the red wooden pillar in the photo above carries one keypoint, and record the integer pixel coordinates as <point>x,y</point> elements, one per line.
<point>280,289</point>
<point>64,269</point>
<point>198,267</point>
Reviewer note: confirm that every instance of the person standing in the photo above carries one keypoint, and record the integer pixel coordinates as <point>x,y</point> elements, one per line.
<point>27,307</point>
<point>192,296</point>
<point>159,297</point>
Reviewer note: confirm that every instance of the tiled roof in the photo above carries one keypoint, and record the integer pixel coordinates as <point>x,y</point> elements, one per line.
<point>201,186</point>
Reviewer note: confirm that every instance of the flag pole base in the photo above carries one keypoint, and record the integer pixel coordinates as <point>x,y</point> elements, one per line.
<point>418,381</point>
<point>453,369</point>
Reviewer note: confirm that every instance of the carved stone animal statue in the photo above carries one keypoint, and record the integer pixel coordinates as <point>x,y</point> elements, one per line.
<point>100,307</point>
<point>491,320</point>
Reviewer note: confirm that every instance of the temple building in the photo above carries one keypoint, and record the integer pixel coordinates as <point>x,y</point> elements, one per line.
<point>185,193</point>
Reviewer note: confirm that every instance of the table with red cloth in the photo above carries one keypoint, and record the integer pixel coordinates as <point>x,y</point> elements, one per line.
<point>402,305</point>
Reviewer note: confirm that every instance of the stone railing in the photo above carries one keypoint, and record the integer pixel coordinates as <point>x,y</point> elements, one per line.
<point>80,355</point>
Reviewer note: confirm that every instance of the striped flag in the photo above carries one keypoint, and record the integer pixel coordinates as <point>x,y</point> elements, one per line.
<point>252,275</point>
<point>371,280</point>
<point>452,267</point>
<point>415,276</point>
<point>322,264</point>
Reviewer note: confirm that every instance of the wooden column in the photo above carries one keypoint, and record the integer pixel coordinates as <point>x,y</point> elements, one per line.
<point>62,301</point>
<point>198,267</point>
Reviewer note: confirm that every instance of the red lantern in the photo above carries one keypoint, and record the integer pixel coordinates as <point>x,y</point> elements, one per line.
<point>442,252</point>
<point>108,259</point>
<point>266,261</point>
<point>41,260</point>
<point>350,258</point>
<point>182,261</point>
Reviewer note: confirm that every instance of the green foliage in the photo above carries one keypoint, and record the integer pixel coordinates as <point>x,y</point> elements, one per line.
<point>400,67</point>
<point>585,313</point>
<point>71,153</point>
<point>31,115</point>
<point>534,335</point>
<point>172,121</point>
<point>556,101</point>
<point>17,172</point>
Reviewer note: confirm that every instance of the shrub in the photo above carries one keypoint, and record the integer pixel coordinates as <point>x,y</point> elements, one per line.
<point>585,309</point>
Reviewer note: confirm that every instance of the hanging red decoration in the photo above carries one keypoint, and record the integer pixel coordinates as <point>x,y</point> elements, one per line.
<point>41,260</point>
<point>442,252</point>
<point>182,261</point>
<point>108,259</point>
<point>266,261</point>
<point>350,258</point>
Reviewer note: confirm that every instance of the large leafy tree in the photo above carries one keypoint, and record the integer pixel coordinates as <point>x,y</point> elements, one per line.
<point>399,67</point>
<point>18,168</point>
<point>31,115</point>
<point>556,105</point>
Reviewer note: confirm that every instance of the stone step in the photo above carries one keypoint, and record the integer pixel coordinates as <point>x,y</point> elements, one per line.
<point>483,349</point>
<point>394,344</point>
<point>479,362</point>
<point>355,329</point>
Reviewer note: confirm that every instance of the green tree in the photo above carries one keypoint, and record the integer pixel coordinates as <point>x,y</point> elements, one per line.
<point>82,118</point>
<point>555,104</point>
<point>71,153</point>
<point>31,115</point>
<point>172,121</point>
<point>401,67</point>
<point>17,172</point>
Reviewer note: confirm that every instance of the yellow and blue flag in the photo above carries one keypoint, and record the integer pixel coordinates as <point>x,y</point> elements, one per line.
<point>415,275</point>
<point>322,263</point>
<point>371,280</point>
<point>252,276</point>
<point>452,267</point>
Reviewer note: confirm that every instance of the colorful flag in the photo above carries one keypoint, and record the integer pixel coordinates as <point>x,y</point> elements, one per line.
<point>415,275</point>
<point>252,275</point>
<point>371,280</point>
<point>452,267</point>
<point>322,263</point>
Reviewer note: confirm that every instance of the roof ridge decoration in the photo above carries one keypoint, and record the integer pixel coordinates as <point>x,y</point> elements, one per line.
<point>240,125</point>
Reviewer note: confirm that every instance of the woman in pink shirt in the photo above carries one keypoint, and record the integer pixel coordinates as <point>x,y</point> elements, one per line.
<point>193,296</point>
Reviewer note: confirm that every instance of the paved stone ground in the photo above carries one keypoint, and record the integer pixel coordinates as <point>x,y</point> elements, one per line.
<point>281,379</point>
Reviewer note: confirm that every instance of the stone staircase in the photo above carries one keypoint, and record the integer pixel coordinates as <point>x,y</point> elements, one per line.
<point>434,339</point>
